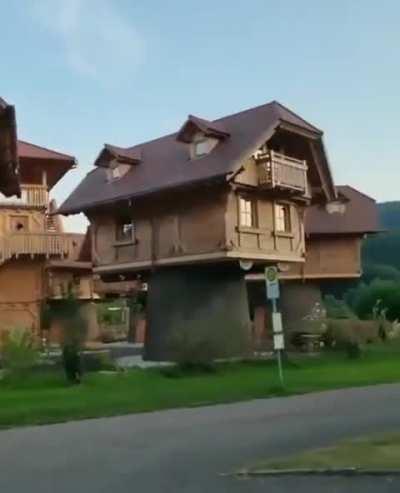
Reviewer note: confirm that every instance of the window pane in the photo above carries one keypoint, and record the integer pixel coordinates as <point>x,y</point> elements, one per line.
<point>201,147</point>
<point>247,212</point>
<point>124,231</point>
<point>282,218</point>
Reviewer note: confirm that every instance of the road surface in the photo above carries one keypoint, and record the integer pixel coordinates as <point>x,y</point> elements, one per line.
<point>191,450</point>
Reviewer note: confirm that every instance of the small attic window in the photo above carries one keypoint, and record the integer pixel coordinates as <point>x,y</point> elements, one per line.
<point>201,147</point>
<point>115,173</point>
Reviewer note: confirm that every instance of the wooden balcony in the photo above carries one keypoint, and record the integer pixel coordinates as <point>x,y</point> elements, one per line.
<point>33,244</point>
<point>278,171</point>
<point>32,196</point>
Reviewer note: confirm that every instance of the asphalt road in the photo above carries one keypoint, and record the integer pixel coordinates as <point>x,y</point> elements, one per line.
<point>189,450</point>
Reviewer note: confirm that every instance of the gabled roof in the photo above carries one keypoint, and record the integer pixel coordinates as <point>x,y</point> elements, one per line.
<point>34,156</point>
<point>126,156</point>
<point>33,151</point>
<point>165,161</point>
<point>360,216</point>
<point>194,123</point>
<point>9,182</point>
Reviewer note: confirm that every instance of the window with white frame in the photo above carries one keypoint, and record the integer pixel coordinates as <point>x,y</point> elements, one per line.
<point>282,218</point>
<point>247,212</point>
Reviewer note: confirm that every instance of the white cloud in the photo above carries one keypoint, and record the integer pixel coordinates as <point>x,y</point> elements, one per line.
<point>97,39</point>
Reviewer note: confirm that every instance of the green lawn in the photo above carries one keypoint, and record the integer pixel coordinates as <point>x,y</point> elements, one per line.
<point>47,399</point>
<point>377,453</point>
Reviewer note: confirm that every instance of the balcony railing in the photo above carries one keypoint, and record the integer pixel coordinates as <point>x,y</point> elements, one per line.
<point>47,244</point>
<point>278,171</point>
<point>36,196</point>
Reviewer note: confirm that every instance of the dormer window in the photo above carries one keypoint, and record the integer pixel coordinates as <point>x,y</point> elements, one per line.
<point>115,173</point>
<point>117,161</point>
<point>202,147</point>
<point>201,135</point>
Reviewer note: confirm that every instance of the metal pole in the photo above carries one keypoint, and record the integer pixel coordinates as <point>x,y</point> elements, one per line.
<point>275,309</point>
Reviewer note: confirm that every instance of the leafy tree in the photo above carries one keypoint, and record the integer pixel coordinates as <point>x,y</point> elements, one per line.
<point>385,294</point>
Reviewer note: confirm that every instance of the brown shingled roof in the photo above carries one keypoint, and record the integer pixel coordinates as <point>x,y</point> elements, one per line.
<point>33,157</point>
<point>360,216</point>
<point>165,161</point>
<point>33,151</point>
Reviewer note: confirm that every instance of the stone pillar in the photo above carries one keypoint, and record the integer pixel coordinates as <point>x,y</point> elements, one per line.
<point>191,297</point>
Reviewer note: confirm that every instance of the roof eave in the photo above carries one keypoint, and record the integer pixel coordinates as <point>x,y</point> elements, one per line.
<point>66,211</point>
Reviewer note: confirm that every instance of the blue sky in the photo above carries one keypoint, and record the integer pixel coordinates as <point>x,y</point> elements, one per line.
<point>85,72</point>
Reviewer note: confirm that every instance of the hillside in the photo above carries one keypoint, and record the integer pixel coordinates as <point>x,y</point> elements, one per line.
<point>381,253</point>
<point>389,215</point>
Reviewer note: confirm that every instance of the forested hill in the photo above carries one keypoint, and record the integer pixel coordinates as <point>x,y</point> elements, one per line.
<point>389,215</point>
<point>381,253</point>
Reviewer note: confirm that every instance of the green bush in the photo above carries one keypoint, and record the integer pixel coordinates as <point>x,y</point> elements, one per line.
<point>340,333</point>
<point>197,344</point>
<point>365,298</point>
<point>20,351</point>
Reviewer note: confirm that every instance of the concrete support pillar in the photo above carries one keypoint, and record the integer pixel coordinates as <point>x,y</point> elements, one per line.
<point>189,297</point>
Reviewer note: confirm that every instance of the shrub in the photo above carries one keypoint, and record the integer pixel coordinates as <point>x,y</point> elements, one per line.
<point>337,308</point>
<point>341,332</point>
<point>197,344</point>
<point>19,351</point>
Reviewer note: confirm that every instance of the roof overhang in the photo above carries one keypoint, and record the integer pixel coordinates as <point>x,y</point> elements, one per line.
<point>9,165</point>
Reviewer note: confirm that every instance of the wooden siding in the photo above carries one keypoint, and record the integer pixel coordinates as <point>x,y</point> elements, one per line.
<point>196,227</point>
<point>329,257</point>
<point>21,293</point>
<point>191,224</point>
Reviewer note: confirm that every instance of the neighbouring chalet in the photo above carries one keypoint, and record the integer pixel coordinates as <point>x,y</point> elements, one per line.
<point>9,184</point>
<point>30,237</point>
<point>186,210</point>
<point>332,261</point>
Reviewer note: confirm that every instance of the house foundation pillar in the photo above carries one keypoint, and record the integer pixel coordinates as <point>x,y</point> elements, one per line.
<point>194,298</point>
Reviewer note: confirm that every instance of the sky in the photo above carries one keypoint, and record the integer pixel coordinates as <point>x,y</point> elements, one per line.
<point>85,72</point>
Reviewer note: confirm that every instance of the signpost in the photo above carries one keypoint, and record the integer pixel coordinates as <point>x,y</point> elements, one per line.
<point>272,288</point>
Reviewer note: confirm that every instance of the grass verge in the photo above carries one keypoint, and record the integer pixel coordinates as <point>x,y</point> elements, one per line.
<point>378,453</point>
<point>46,398</point>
